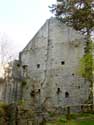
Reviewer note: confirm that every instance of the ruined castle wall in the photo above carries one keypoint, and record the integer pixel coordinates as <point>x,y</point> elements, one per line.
<point>33,57</point>
<point>66,47</point>
<point>51,64</point>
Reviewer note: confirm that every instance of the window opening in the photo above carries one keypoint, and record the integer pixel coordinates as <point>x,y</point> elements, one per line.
<point>39,90</point>
<point>62,63</point>
<point>18,65</point>
<point>78,87</point>
<point>32,93</point>
<point>72,74</point>
<point>66,94</point>
<point>58,90</point>
<point>38,65</point>
<point>24,67</point>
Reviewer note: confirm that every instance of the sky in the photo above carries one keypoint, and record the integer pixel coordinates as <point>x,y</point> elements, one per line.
<point>21,19</point>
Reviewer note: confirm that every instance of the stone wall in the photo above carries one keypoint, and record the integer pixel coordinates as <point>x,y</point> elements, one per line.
<point>49,67</point>
<point>2,84</point>
<point>10,88</point>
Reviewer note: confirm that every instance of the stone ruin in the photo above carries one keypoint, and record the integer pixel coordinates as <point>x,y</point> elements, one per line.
<point>45,77</point>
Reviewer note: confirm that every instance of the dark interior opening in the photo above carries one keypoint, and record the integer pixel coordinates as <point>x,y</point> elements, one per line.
<point>62,63</point>
<point>32,93</point>
<point>24,67</point>
<point>66,94</point>
<point>78,87</point>
<point>18,65</point>
<point>58,90</point>
<point>39,90</point>
<point>38,65</point>
<point>72,74</point>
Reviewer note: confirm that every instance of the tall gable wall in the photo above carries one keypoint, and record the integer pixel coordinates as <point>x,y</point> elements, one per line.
<point>51,64</point>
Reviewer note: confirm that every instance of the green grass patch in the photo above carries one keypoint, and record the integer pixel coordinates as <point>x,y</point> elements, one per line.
<point>83,122</point>
<point>76,119</point>
<point>86,122</point>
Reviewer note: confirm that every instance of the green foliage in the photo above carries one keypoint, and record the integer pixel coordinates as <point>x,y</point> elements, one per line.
<point>86,66</point>
<point>83,17</point>
<point>78,13</point>
<point>21,102</point>
<point>62,120</point>
<point>3,104</point>
<point>51,114</point>
<point>80,122</point>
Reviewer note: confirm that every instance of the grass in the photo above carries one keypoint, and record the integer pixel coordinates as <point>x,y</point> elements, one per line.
<point>86,122</point>
<point>76,119</point>
<point>82,122</point>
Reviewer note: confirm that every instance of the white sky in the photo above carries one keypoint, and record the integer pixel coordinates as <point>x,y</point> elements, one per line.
<point>21,19</point>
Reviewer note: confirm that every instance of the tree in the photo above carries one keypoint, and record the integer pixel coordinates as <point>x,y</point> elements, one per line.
<point>6,53</point>
<point>87,64</point>
<point>77,13</point>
